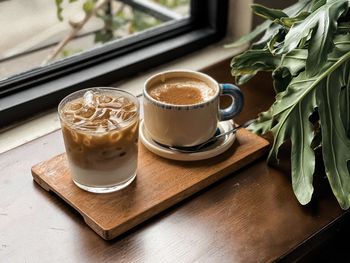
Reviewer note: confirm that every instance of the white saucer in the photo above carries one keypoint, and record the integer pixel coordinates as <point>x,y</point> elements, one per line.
<point>220,146</point>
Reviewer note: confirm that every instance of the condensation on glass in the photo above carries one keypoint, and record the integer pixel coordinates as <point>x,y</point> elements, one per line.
<point>38,32</point>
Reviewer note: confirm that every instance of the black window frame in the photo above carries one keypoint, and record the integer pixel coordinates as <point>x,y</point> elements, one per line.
<point>37,90</point>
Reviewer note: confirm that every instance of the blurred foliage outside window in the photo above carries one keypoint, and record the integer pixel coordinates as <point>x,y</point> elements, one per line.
<point>54,29</point>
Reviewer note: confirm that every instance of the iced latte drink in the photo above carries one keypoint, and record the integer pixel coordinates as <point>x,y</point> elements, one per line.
<point>100,131</point>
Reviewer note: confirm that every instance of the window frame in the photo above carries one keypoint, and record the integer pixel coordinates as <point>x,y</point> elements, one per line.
<point>37,90</point>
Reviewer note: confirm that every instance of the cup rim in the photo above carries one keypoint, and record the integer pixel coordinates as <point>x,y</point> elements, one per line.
<point>203,75</point>
<point>129,121</point>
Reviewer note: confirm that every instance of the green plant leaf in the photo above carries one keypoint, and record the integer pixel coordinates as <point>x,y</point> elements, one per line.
<point>142,21</point>
<point>290,66</point>
<point>345,108</point>
<point>294,61</point>
<point>317,4</point>
<point>322,24</point>
<point>335,143</point>
<point>255,60</point>
<point>88,6</point>
<point>308,53</point>
<point>251,62</point>
<point>273,28</point>
<point>288,118</point>
<point>300,131</point>
<point>290,21</point>
<point>300,6</point>
<point>293,10</point>
<point>317,140</point>
<point>275,41</point>
<point>268,13</point>
<point>59,9</point>
<point>343,28</point>
<point>249,37</point>
<point>281,79</point>
<point>345,101</point>
<point>103,36</point>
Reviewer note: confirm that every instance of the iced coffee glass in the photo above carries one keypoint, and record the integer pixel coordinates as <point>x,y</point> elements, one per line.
<point>100,132</point>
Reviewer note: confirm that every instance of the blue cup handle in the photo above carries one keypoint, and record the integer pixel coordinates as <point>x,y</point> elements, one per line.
<point>237,101</point>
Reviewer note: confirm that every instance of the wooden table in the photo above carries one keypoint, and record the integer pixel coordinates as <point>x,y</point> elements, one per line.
<point>251,216</point>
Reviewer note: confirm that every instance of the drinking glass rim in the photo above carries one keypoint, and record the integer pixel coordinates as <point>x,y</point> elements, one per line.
<point>148,96</point>
<point>77,127</point>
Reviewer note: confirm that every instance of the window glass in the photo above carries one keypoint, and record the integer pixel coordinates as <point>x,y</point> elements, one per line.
<point>39,32</point>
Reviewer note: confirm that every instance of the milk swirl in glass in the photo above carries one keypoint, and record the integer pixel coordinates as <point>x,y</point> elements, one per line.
<point>100,131</point>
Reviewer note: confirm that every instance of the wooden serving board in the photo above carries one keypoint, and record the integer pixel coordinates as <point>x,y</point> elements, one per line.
<point>160,183</point>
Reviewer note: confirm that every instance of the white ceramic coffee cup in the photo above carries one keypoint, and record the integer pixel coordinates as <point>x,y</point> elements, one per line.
<point>188,125</point>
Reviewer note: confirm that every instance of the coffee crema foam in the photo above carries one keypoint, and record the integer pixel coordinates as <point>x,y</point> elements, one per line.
<point>181,91</point>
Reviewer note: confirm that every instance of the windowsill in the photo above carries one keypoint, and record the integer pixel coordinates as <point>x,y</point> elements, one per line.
<point>48,122</point>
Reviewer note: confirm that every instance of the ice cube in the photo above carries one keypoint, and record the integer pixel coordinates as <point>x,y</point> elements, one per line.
<point>127,115</point>
<point>102,114</point>
<point>117,104</point>
<point>114,120</point>
<point>86,112</point>
<point>104,99</point>
<point>111,125</point>
<point>129,107</point>
<point>74,106</point>
<point>88,99</point>
<point>104,123</point>
<point>123,101</point>
<point>100,129</point>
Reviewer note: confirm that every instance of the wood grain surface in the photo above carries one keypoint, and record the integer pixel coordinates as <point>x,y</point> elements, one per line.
<point>160,183</point>
<point>252,216</point>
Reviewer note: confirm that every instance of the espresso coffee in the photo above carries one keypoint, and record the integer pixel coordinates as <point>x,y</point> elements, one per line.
<point>181,91</point>
<point>100,131</point>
